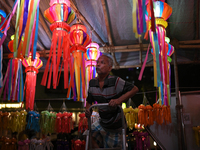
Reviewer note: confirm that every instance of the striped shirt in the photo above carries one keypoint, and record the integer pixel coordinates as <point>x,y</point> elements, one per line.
<point>113,88</point>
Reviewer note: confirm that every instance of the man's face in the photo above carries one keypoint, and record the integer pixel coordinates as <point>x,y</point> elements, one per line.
<point>102,66</point>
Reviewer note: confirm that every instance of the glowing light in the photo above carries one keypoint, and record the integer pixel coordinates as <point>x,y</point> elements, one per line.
<point>123,105</point>
<point>154,143</point>
<point>167,39</point>
<point>11,105</point>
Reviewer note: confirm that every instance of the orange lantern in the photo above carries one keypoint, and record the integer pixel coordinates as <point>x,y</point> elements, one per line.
<point>79,39</point>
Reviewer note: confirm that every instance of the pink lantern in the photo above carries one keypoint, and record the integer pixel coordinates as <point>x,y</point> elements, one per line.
<point>31,75</point>
<point>91,55</point>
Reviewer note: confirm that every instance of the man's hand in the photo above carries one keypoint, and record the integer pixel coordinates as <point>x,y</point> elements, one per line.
<point>88,113</point>
<point>113,103</point>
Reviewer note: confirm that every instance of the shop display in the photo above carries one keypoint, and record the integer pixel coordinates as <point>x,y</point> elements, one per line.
<point>83,123</point>
<point>142,140</point>
<point>64,122</point>
<point>33,121</point>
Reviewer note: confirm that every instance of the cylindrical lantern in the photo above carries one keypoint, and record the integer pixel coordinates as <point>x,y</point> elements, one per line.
<point>162,12</point>
<point>13,79</point>
<point>59,14</point>
<point>79,39</point>
<point>31,74</point>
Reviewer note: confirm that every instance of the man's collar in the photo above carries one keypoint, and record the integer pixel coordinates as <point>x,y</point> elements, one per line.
<point>106,82</point>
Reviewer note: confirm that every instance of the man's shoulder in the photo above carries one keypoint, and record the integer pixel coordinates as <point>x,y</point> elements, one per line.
<point>112,79</point>
<point>93,82</point>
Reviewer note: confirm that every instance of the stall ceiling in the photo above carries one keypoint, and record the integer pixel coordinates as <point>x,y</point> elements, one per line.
<point>109,23</point>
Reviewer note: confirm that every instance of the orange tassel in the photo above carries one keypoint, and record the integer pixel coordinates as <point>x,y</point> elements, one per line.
<point>141,115</point>
<point>149,115</point>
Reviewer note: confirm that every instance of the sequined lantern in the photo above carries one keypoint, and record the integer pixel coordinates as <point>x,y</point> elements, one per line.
<point>79,39</point>
<point>31,70</point>
<point>59,14</point>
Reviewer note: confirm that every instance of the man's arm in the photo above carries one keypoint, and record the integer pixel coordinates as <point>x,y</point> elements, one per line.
<point>124,97</point>
<point>87,112</point>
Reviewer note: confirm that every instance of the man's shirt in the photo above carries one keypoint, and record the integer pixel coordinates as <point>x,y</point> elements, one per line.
<point>113,88</point>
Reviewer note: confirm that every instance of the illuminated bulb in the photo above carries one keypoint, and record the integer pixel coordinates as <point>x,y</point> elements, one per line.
<point>167,39</point>
<point>154,143</point>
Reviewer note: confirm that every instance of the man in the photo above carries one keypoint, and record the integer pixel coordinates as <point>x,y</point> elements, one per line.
<point>112,90</point>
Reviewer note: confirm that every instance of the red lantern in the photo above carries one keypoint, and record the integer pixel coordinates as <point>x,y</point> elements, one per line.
<point>31,74</point>
<point>59,14</point>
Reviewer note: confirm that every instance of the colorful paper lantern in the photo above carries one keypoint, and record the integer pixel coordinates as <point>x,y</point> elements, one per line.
<point>91,55</point>
<point>161,49</point>
<point>3,20</point>
<point>27,20</point>
<point>138,14</point>
<point>13,83</point>
<point>59,14</point>
<point>3,23</point>
<point>79,39</point>
<point>31,70</point>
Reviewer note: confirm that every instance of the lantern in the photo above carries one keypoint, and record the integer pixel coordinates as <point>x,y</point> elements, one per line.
<point>3,20</point>
<point>138,15</point>
<point>79,39</point>
<point>161,50</point>
<point>3,23</point>
<point>31,70</point>
<point>91,55</point>
<point>27,20</point>
<point>59,14</point>
<point>13,80</point>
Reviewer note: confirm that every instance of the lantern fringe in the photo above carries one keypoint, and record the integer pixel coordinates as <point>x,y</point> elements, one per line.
<point>60,38</point>
<point>13,81</point>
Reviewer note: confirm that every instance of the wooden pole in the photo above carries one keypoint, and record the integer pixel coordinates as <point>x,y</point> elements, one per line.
<point>178,106</point>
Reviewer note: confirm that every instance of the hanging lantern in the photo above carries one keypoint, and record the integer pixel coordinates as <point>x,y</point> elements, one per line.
<point>3,20</point>
<point>79,39</point>
<point>59,14</point>
<point>31,70</point>
<point>91,55</point>
<point>27,21</point>
<point>3,23</point>
<point>13,79</point>
<point>161,50</point>
<point>138,15</point>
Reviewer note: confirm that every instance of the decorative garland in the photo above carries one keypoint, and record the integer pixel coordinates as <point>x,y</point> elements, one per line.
<point>146,115</point>
<point>83,123</point>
